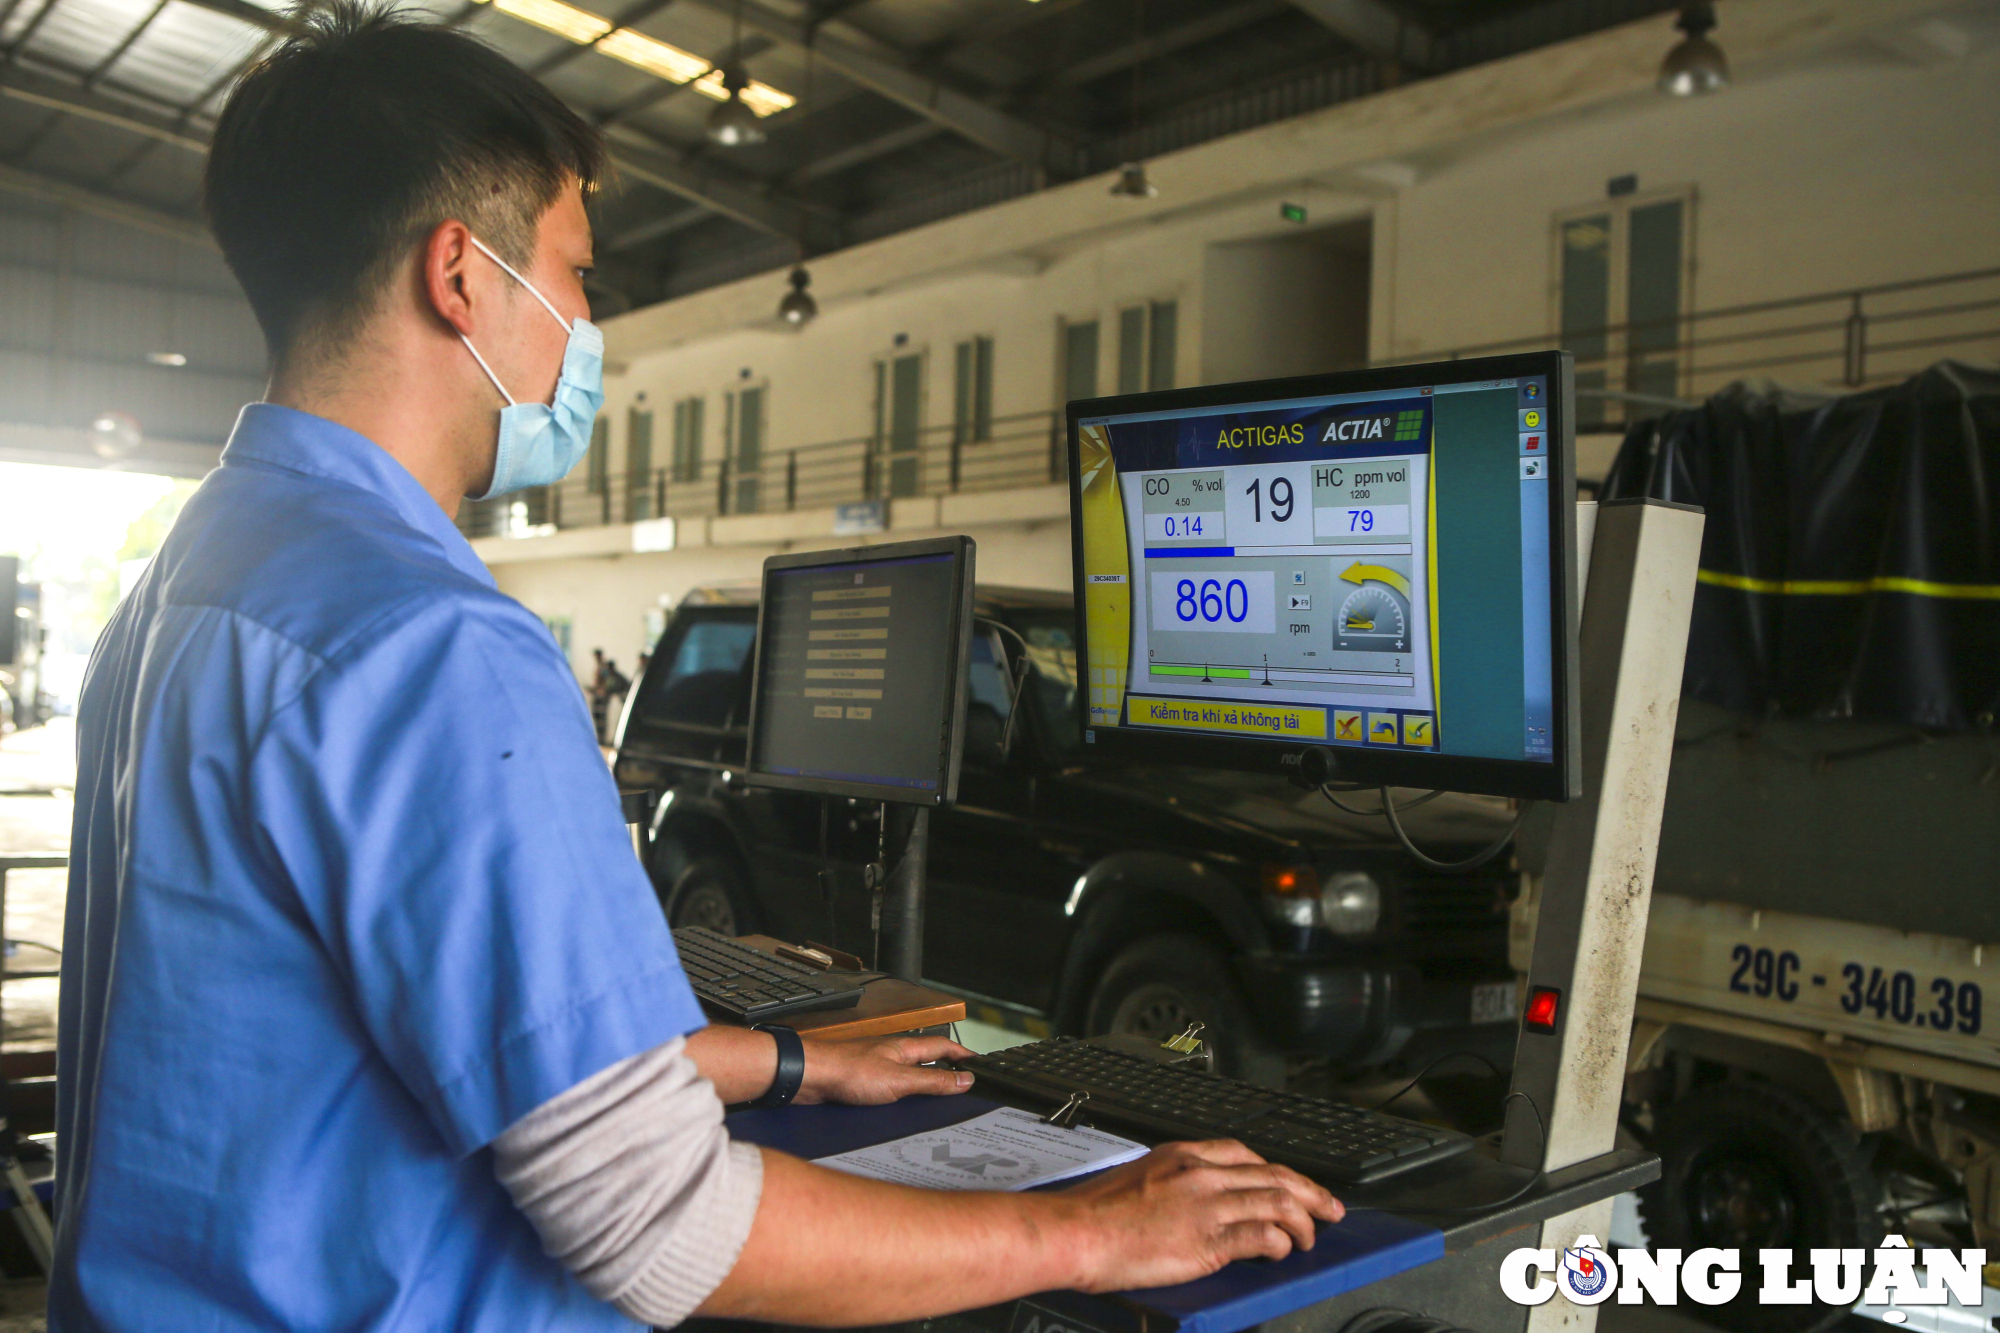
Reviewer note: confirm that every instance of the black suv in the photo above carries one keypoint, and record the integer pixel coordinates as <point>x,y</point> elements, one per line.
<point>1076,897</point>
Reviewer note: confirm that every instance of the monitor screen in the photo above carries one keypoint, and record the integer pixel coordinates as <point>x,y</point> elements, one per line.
<point>859,687</point>
<point>1378,562</point>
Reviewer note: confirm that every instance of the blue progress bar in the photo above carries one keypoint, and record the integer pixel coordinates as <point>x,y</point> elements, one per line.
<point>1170,552</point>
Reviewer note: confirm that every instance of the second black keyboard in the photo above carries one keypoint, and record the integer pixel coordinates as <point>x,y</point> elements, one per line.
<point>1330,1141</point>
<point>750,985</point>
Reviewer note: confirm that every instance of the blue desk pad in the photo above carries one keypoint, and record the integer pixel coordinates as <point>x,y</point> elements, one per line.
<point>1367,1247</point>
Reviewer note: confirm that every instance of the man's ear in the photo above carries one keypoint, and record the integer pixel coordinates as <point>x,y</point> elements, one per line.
<point>447,252</point>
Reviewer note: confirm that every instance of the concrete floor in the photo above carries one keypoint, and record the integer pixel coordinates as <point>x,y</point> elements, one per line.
<point>37,774</point>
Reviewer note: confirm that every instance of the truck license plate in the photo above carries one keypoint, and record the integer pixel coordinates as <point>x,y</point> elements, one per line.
<point>1493,1002</point>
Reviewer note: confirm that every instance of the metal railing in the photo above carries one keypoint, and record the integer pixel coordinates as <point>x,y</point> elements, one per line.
<point>1833,341</point>
<point>1025,449</point>
<point>1836,342</point>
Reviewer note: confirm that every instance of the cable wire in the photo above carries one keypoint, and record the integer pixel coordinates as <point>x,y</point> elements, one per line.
<point>1452,1055</point>
<point>1542,1128</point>
<point>1327,790</point>
<point>1019,671</point>
<point>1466,866</point>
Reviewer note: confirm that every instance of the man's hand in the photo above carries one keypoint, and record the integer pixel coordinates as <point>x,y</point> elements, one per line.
<point>871,1072</point>
<point>1186,1209</point>
<point>740,1063</point>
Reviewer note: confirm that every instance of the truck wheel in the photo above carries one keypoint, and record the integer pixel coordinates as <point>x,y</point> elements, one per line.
<point>1156,987</point>
<point>1748,1166</point>
<point>709,893</point>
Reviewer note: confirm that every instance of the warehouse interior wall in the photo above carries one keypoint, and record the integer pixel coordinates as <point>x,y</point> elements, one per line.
<point>615,602</point>
<point>1286,305</point>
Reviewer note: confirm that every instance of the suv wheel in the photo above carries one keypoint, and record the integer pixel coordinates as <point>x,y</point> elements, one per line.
<point>709,893</point>
<point>1156,987</point>
<point>1748,1166</point>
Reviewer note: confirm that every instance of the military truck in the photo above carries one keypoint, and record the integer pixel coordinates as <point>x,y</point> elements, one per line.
<point>1811,1054</point>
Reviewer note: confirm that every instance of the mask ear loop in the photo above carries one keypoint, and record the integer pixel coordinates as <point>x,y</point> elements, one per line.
<point>554,314</point>
<point>488,369</point>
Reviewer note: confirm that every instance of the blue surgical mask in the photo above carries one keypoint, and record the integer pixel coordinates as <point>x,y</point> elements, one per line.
<point>541,442</point>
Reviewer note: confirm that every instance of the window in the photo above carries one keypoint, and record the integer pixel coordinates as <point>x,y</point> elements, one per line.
<point>990,697</point>
<point>1162,344</point>
<point>1079,360</point>
<point>701,684</point>
<point>746,451</point>
<point>972,396</point>
<point>903,410</point>
<point>638,464</point>
<point>687,439</point>
<point>597,472</point>
<point>1623,273</point>
<point>1148,337</point>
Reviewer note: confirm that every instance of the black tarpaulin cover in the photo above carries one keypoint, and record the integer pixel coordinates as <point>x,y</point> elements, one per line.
<point>1851,561</point>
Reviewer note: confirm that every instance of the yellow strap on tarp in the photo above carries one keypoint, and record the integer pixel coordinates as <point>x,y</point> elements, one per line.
<point>1849,587</point>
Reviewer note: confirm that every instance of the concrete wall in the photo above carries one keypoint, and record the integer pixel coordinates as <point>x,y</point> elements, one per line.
<point>1856,147</point>
<point>606,598</point>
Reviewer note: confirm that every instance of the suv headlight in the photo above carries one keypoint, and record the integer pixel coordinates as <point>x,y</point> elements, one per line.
<point>1350,904</point>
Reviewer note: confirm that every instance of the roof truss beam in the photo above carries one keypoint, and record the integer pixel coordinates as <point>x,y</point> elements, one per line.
<point>1376,28</point>
<point>887,76</point>
<point>85,200</point>
<point>667,168</point>
<point>24,85</point>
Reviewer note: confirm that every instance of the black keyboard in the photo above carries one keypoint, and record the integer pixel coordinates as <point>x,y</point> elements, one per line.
<point>1332,1142</point>
<point>750,985</point>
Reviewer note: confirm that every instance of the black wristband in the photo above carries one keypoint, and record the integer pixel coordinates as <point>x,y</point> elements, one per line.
<point>791,1073</point>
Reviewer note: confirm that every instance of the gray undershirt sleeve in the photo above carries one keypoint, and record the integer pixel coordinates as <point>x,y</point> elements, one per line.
<point>634,1186</point>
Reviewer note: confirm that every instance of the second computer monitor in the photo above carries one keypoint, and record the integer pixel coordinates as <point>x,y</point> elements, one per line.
<point>860,677</point>
<point>1366,575</point>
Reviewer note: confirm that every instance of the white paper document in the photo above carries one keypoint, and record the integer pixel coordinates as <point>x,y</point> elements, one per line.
<point>1001,1150</point>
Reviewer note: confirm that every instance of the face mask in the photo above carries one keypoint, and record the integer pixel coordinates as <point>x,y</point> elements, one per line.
<point>541,442</point>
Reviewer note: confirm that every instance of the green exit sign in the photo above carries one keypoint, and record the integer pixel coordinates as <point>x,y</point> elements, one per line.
<point>1293,213</point>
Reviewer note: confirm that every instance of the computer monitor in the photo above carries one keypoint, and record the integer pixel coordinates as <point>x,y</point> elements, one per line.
<point>1366,576</point>
<point>859,682</point>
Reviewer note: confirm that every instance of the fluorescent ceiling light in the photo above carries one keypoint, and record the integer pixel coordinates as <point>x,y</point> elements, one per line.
<point>662,60</point>
<point>759,97</point>
<point>561,19</point>
<point>655,57</point>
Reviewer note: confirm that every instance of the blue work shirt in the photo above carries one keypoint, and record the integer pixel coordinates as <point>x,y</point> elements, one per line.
<point>349,894</point>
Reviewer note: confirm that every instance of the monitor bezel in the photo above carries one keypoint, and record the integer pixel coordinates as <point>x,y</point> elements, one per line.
<point>1558,779</point>
<point>951,734</point>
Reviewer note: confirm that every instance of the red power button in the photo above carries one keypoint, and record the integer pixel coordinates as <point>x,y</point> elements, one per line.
<point>1540,1015</point>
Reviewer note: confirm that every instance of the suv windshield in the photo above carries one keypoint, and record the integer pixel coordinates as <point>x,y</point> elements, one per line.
<point>1051,638</point>
<point>702,684</point>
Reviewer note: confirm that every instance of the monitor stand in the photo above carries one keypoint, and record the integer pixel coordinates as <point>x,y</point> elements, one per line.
<point>906,845</point>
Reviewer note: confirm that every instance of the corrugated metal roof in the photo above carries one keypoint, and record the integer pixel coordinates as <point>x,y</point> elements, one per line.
<point>909,102</point>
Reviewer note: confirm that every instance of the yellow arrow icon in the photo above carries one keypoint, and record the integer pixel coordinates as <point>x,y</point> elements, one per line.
<point>1360,573</point>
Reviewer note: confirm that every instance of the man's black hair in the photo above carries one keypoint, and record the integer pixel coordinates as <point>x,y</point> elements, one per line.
<point>349,144</point>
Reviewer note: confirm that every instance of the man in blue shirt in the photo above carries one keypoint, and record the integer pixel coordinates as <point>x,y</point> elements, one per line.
<point>370,1019</point>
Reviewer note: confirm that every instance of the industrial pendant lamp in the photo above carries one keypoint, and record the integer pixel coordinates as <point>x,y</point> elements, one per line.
<point>1695,65</point>
<point>798,308</point>
<point>732,124</point>
<point>1131,182</point>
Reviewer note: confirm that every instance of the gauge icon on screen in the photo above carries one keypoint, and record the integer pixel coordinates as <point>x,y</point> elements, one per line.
<point>1373,618</point>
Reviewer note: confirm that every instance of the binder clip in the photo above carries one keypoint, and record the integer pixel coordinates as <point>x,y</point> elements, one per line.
<point>1187,1045</point>
<point>1064,1116</point>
